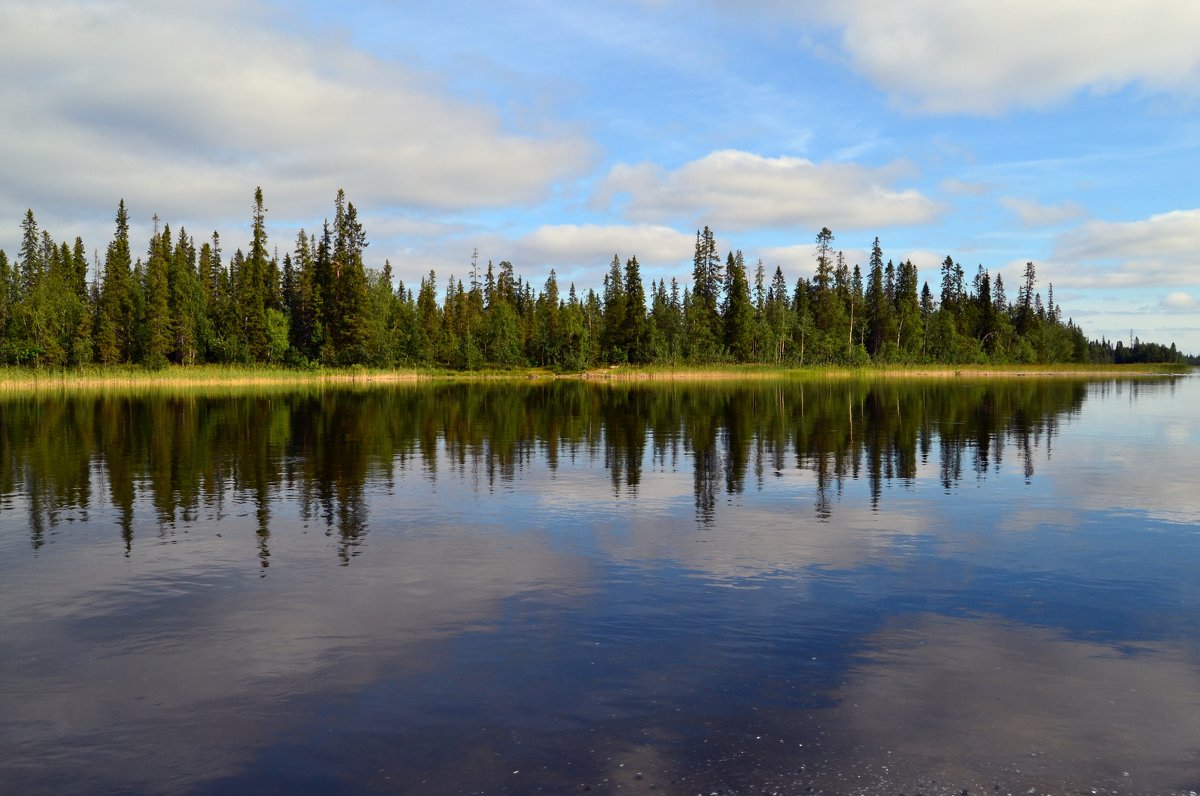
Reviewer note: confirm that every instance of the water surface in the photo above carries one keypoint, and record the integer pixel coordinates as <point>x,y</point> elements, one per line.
<point>838,586</point>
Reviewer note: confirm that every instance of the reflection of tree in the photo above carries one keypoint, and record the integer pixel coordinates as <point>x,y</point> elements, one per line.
<point>185,458</point>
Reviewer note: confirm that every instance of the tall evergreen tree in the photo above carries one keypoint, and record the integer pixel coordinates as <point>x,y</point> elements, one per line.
<point>252,285</point>
<point>6,294</point>
<point>615,314</point>
<point>157,289</point>
<point>188,308</point>
<point>738,310</point>
<point>32,259</point>
<point>115,315</point>
<point>1025,315</point>
<point>705,329</point>
<point>635,343</point>
<point>908,309</point>
<point>349,322</point>
<point>879,309</point>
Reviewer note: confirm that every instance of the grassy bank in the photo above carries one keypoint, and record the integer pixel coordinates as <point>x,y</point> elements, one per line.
<point>739,372</point>
<point>132,377</point>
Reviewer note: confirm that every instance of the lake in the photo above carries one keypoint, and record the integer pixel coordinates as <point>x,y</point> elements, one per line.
<point>900,586</point>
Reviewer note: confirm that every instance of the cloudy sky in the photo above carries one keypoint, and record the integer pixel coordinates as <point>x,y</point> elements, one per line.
<point>556,134</point>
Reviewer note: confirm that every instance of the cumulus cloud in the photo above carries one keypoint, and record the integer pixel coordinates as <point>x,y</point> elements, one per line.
<point>1032,213</point>
<point>1160,250</point>
<point>184,107</point>
<point>801,258</point>
<point>1089,275</point>
<point>589,243</point>
<point>964,188</point>
<point>984,58</point>
<point>579,253</point>
<point>1178,301</point>
<point>1167,234</point>
<point>735,190</point>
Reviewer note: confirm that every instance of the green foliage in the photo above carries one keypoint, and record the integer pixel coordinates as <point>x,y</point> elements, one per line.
<point>186,306</point>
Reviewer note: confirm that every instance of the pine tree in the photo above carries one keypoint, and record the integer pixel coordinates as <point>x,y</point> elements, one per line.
<point>1024,311</point>
<point>826,312</point>
<point>635,342</point>
<point>547,331</point>
<point>31,256</point>
<point>738,313</point>
<point>705,329</point>
<point>429,320</point>
<point>350,325</point>
<point>157,289</point>
<point>6,293</point>
<point>115,314</point>
<point>779,315</point>
<point>188,308</point>
<point>613,337</point>
<point>908,309</point>
<point>879,309</point>
<point>252,286</point>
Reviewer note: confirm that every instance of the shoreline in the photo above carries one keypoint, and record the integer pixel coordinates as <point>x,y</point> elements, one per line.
<point>14,380</point>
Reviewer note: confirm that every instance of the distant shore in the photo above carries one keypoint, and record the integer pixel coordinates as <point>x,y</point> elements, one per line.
<point>117,377</point>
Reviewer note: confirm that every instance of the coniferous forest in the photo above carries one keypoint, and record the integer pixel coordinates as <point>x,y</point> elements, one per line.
<point>320,304</point>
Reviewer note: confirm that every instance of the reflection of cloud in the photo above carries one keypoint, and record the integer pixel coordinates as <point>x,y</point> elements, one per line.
<point>976,699</point>
<point>752,542</point>
<point>142,701</point>
<point>1107,467</point>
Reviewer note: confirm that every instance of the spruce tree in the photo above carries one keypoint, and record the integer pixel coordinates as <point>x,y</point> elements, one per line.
<point>252,285</point>
<point>879,309</point>
<point>115,314</point>
<point>158,309</point>
<point>613,338</point>
<point>349,324</point>
<point>31,260</point>
<point>635,342</point>
<point>738,316</point>
<point>908,309</point>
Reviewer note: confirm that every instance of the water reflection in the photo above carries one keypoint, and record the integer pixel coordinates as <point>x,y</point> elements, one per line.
<point>189,457</point>
<point>837,586</point>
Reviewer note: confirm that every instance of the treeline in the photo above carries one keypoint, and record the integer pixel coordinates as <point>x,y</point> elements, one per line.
<point>320,305</point>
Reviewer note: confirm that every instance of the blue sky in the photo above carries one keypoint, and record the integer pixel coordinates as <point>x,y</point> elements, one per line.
<point>556,134</point>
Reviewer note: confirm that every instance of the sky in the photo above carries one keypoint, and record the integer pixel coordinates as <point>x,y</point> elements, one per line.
<point>555,135</point>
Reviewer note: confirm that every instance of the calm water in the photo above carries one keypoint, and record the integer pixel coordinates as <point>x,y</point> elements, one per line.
<point>566,588</point>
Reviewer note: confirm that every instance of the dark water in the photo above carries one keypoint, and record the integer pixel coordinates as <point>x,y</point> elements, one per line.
<point>566,588</point>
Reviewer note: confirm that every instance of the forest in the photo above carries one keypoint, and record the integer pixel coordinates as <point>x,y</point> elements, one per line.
<point>321,305</point>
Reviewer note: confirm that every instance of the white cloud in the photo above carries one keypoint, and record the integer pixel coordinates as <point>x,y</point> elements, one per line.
<point>1178,301</point>
<point>592,243</point>
<point>1034,214</point>
<point>579,253</point>
<point>963,188</point>
<point>984,57</point>
<point>1165,235</point>
<point>184,108</point>
<point>801,259</point>
<point>735,190</point>
<point>1160,250</point>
